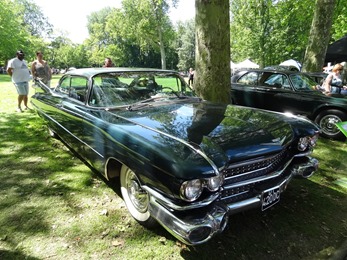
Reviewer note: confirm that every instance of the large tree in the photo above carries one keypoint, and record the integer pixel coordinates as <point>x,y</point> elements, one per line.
<point>319,35</point>
<point>212,75</point>
<point>147,21</point>
<point>33,18</point>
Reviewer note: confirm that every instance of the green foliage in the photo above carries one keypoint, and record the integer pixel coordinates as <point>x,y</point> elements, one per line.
<point>140,34</point>
<point>186,45</point>
<point>269,31</point>
<point>12,35</point>
<point>339,29</point>
<point>33,18</point>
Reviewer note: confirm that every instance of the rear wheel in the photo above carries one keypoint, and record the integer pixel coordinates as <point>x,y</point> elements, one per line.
<point>327,122</point>
<point>136,199</point>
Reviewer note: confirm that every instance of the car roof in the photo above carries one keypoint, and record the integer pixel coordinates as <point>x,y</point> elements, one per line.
<point>90,72</point>
<point>283,68</point>
<point>270,70</point>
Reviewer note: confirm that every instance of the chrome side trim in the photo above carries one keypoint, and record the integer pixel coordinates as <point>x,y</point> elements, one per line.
<point>66,130</point>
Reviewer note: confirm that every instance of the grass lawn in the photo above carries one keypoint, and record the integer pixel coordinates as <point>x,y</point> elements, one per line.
<point>52,206</point>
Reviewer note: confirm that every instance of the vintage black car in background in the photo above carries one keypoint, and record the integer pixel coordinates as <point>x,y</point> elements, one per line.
<point>288,91</point>
<point>180,161</point>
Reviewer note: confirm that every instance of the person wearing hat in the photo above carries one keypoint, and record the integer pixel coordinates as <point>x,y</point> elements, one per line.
<point>18,69</point>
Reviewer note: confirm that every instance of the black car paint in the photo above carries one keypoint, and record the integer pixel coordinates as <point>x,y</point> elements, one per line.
<point>308,103</point>
<point>169,142</point>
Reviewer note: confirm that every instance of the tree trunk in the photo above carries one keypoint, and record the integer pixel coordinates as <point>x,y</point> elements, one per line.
<point>319,36</point>
<point>212,73</point>
<point>162,48</point>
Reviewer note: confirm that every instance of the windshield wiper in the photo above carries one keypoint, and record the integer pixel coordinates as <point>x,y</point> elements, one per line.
<point>137,106</point>
<point>147,102</point>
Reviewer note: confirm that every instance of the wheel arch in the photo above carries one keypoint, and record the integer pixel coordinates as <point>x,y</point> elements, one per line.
<point>112,169</point>
<point>325,108</point>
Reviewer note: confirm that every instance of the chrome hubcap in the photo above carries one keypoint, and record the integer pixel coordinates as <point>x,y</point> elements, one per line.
<point>138,196</point>
<point>328,124</point>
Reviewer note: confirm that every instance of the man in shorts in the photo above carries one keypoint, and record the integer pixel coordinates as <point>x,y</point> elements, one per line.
<point>18,69</point>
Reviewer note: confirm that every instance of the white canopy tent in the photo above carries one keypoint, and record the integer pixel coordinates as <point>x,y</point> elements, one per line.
<point>247,64</point>
<point>232,65</point>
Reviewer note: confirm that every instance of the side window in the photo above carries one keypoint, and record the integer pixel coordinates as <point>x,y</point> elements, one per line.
<point>64,86</point>
<point>169,83</point>
<point>278,81</point>
<point>78,88</point>
<point>250,79</point>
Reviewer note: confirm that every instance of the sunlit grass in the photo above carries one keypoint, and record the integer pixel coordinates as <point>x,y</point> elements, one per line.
<point>52,206</point>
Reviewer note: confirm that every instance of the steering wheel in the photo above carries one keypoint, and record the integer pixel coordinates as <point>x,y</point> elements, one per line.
<point>176,93</point>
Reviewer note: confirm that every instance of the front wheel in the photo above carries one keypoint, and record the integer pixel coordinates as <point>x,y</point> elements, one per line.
<point>327,122</point>
<point>135,198</point>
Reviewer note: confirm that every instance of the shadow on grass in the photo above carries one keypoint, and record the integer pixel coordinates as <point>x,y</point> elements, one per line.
<point>32,167</point>
<point>309,222</point>
<point>13,255</point>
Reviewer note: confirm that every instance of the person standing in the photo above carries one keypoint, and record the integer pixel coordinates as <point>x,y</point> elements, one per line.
<point>18,69</point>
<point>333,82</point>
<point>108,63</point>
<point>191,77</point>
<point>41,70</point>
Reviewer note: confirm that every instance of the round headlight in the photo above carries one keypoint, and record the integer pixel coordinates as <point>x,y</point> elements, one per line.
<point>214,183</point>
<point>191,190</point>
<point>303,143</point>
<point>313,140</point>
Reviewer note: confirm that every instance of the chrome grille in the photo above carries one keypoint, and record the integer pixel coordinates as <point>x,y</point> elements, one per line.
<point>248,170</point>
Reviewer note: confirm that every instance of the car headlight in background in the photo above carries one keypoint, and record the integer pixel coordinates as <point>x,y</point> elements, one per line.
<point>192,189</point>
<point>303,143</point>
<point>313,140</point>
<point>307,142</point>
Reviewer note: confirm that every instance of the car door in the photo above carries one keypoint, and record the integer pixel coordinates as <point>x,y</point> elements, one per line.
<point>258,89</point>
<point>297,97</point>
<point>277,91</point>
<point>244,90</point>
<point>71,109</point>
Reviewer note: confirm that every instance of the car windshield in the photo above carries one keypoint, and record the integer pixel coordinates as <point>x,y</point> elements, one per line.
<point>126,88</point>
<point>302,82</point>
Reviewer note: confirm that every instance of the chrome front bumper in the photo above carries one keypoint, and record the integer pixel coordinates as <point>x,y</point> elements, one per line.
<point>196,226</point>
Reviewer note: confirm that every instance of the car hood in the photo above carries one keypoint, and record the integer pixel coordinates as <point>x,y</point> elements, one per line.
<point>221,133</point>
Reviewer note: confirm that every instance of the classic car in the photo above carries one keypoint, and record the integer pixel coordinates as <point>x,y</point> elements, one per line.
<point>293,92</point>
<point>182,162</point>
<point>318,77</point>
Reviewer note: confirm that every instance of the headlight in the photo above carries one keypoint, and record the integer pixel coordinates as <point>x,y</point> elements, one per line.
<point>303,143</point>
<point>313,140</point>
<point>214,183</point>
<point>191,190</point>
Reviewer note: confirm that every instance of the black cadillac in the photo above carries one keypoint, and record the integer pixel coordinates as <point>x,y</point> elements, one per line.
<point>179,161</point>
